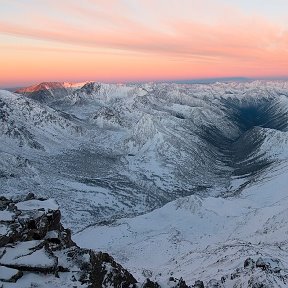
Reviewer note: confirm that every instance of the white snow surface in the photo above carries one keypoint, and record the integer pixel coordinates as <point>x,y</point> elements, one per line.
<point>199,238</point>
<point>7,273</point>
<point>107,151</point>
<point>49,204</point>
<point>6,215</point>
<point>17,256</point>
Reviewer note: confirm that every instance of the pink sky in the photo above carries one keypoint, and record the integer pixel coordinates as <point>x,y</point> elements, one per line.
<point>129,40</point>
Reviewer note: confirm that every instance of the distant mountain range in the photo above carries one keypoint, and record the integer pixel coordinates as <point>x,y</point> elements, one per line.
<point>172,179</point>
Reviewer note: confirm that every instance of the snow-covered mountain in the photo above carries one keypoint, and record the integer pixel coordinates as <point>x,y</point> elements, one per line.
<point>47,91</point>
<point>203,161</point>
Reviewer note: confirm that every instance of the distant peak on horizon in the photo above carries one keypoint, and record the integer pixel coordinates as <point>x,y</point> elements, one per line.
<point>49,86</point>
<point>214,79</point>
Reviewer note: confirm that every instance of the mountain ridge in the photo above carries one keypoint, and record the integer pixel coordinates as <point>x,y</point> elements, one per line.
<point>117,154</point>
<point>48,86</point>
<point>161,138</point>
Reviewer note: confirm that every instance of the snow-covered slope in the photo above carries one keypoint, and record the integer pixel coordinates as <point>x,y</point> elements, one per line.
<point>27,123</point>
<point>122,150</point>
<point>205,238</point>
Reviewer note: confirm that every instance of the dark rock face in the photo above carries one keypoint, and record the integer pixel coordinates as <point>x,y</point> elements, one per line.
<point>4,202</point>
<point>249,263</point>
<point>260,263</point>
<point>90,87</point>
<point>198,284</point>
<point>214,284</point>
<point>260,273</point>
<point>180,283</point>
<point>33,240</point>
<point>172,283</point>
<point>108,273</point>
<point>150,284</point>
<point>32,224</point>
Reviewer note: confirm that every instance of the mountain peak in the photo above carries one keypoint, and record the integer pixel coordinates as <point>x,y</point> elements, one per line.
<point>49,86</point>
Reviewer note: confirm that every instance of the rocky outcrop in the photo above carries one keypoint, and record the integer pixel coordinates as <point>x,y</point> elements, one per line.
<point>256,273</point>
<point>171,283</point>
<point>108,273</point>
<point>149,284</point>
<point>33,240</point>
<point>106,117</point>
<point>90,87</point>
<point>198,284</point>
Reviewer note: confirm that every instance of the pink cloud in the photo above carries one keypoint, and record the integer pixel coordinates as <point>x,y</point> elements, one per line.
<point>224,39</point>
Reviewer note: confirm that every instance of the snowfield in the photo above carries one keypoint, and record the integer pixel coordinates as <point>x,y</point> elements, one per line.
<point>196,237</point>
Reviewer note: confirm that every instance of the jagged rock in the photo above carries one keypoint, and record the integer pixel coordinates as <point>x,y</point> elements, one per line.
<point>107,273</point>
<point>36,242</point>
<point>214,284</point>
<point>149,284</point>
<point>198,284</point>
<point>3,240</point>
<point>147,273</point>
<point>272,264</point>
<point>106,116</point>
<point>249,263</point>
<point>177,283</point>
<point>30,196</point>
<point>90,87</point>
<point>4,202</point>
<point>234,275</point>
<point>260,263</point>
<point>37,228</point>
<point>265,273</point>
<point>253,284</point>
<point>180,283</point>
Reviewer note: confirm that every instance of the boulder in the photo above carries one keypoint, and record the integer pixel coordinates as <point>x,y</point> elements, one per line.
<point>4,202</point>
<point>260,263</point>
<point>150,284</point>
<point>199,284</point>
<point>249,263</point>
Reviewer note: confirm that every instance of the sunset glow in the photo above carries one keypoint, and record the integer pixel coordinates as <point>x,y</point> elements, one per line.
<point>128,40</point>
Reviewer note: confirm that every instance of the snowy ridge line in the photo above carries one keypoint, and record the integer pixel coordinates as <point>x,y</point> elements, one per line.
<point>141,146</point>
<point>49,85</point>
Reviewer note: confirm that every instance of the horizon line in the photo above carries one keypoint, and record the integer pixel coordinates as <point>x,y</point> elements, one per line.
<point>208,80</point>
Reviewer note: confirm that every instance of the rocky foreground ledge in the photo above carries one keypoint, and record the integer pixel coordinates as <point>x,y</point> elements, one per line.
<point>37,251</point>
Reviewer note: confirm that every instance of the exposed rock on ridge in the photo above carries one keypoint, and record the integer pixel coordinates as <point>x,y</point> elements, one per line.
<point>33,240</point>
